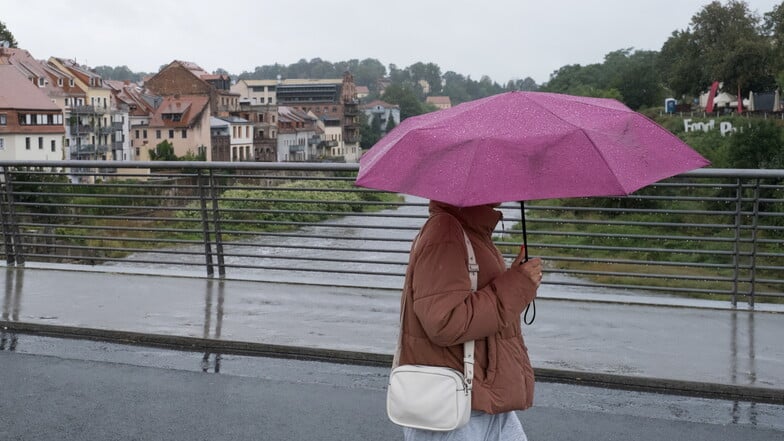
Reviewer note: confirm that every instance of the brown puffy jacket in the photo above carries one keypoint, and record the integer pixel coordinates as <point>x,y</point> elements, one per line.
<point>445,313</point>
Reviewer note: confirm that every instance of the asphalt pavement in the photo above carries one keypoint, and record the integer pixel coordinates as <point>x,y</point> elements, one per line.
<point>706,347</point>
<point>82,390</point>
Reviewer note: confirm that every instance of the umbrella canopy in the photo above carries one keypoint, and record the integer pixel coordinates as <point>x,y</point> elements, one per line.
<point>519,146</point>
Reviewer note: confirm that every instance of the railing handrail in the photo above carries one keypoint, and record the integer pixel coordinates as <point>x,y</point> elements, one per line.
<point>168,165</point>
<point>316,166</point>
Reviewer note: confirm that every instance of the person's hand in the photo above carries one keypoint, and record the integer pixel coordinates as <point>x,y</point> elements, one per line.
<point>532,268</point>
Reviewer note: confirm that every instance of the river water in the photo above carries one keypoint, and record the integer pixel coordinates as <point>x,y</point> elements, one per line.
<point>366,251</point>
<point>353,251</point>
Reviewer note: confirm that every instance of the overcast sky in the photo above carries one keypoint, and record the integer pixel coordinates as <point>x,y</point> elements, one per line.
<point>503,39</point>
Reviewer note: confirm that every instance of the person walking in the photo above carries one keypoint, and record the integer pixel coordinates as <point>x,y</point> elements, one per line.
<point>443,313</point>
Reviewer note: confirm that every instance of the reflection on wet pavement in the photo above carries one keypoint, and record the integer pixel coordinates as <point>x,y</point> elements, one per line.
<point>11,306</point>
<point>208,318</point>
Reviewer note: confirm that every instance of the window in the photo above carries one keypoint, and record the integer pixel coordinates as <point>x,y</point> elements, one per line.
<point>137,134</point>
<point>53,146</point>
<point>2,144</point>
<point>158,134</point>
<point>60,84</point>
<point>184,133</point>
<point>71,82</point>
<point>27,143</point>
<point>41,82</point>
<point>3,119</point>
<point>138,152</point>
<point>144,133</point>
<point>40,143</point>
<point>171,134</point>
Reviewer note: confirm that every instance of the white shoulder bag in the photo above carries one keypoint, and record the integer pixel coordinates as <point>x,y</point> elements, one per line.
<point>433,397</point>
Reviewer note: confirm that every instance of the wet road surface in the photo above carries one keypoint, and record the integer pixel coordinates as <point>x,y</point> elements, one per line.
<point>80,390</point>
<point>716,346</point>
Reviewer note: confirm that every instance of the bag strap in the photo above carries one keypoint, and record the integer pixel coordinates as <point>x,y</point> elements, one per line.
<point>468,347</point>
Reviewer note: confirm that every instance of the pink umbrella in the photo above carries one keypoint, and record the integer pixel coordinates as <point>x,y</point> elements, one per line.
<point>520,146</point>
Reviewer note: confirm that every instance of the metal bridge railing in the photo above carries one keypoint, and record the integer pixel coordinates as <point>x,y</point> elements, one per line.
<point>711,233</point>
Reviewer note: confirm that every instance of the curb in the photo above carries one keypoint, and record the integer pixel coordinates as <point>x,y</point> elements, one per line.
<point>592,379</point>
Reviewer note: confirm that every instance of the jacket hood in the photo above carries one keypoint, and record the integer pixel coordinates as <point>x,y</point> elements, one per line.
<point>481,218</point>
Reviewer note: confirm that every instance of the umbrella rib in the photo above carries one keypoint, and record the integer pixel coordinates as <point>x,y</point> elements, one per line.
<point>470,172</point>
<point>584,133</point>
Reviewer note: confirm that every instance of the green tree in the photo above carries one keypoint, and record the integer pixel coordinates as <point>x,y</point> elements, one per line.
<point>574,77</point>
<point>679,65</point>
<point>591,80</point>
<point>527,84</point>
<point>119,73</point>
<point>399,76</point>
<point>406,98</point>
<point>724,43</point>
<point>190,155</point>
<point>269,72</point>
<point>369,133</point>
<point>368,71</point>
<point>163,152</point>
<point>634,76</point>
<point>429,72</point>
<point>758,145</point>
<point>455,86</point>
<point>6,35</point>
<point>390,124</point>
<point>774,30</point>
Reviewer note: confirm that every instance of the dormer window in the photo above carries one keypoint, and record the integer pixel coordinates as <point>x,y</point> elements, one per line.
<point>41,82</point>
<point>71,82</point>
<point>171,117</point>
<point>59,82</point>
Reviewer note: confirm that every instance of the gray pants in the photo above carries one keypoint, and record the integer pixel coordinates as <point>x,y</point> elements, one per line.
<point>481,427</point>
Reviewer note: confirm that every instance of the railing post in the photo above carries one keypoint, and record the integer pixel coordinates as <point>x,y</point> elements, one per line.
<point>736,246</point>
<point>205,222</point>
<point>13,241</point>
<point>217,225</point>
<point>753,257</point>
<point>9,254</point>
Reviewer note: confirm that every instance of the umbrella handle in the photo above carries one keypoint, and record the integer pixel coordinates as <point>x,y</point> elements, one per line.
<point>525,246</point>
<point>525,232</point>
<point>528,308</point>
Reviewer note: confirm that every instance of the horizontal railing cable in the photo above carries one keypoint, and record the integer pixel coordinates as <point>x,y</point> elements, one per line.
<point>712,232</point>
